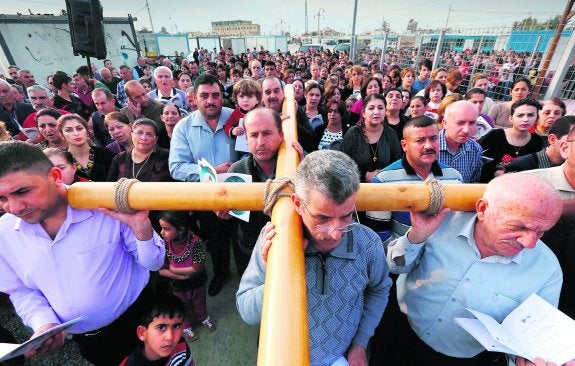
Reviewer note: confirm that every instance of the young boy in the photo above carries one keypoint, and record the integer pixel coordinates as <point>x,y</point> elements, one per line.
<point>161,333</point>
<point>247,95</point>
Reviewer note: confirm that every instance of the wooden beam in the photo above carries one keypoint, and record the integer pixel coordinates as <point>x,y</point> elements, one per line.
<point>249,196</point>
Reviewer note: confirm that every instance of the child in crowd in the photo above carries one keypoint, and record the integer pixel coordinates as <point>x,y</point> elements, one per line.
<point>247,95</point>
<point>160,330</point>
<point>184,268</point>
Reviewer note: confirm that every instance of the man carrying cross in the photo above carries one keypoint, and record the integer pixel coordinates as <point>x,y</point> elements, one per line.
<point>346,275</point>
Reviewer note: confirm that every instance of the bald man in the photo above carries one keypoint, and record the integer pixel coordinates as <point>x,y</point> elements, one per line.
<point>490,260</point>
<point>457,149</point>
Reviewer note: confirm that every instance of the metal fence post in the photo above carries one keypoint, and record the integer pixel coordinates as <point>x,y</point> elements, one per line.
<point>472,71</point>
<point>383,50</point>
<point>438,49</point>
<point>564,63</point>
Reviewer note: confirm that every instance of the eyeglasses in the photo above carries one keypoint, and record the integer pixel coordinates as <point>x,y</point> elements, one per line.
<point>333,111</point>
<point>326,229</point>
<point>141,134</point>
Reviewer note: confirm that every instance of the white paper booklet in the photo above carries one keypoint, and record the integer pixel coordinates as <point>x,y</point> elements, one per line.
<point>208,174</point>
<point>534,329</point>
<point>10,350</point>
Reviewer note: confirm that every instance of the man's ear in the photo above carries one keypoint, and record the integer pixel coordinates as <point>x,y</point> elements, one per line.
<point>480,206</point>
<point>55,175</point>
<point>297,202</point>
<point>141,332</point>
<point>564,149</point>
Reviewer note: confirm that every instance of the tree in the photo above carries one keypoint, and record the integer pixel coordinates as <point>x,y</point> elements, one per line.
<point>533,24</point>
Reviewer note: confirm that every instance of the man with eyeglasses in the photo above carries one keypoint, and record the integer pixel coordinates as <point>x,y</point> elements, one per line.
<point>346,274</point>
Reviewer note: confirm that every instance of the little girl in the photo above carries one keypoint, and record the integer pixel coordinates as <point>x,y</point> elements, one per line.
<point>247,95</point>
<point>184,268</point>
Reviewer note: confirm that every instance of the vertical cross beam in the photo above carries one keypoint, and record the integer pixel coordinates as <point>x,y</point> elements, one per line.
<point>283,329</point>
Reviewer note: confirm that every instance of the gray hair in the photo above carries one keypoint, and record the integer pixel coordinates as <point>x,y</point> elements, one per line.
<point>330,172</point>
<point>40,88</point>
<point>162,68</point>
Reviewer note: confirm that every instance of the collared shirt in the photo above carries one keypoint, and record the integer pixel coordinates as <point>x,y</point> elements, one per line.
<point>556,177</point>
<point>446,274</point>
<point>94,267</point>
<point>466,160</point>
<point>193,139</point>
<point>401,171</point>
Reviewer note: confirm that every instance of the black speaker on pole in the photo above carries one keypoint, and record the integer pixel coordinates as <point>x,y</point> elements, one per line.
<point>87,28</point>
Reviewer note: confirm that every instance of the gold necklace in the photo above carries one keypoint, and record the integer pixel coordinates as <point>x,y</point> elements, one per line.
<point>135,174</point>
<point>374,151</point>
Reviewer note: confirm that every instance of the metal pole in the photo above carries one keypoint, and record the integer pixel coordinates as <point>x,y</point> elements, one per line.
<point>150,16</point>
<point>438,49</point>
<point>567,14</point>
<point>564,63</point>
<point>472,71</point>
<point>534,50</point>
<point>383,50</point>
<point>352,48</point>
<point>416,63</point>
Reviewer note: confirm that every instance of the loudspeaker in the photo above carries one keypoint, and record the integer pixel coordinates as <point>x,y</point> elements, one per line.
<point>87,28</point>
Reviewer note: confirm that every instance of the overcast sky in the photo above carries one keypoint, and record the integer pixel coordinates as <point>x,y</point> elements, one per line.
<point>275,16</point>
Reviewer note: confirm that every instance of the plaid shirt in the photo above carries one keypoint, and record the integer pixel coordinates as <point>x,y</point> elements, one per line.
<point>466,160</point>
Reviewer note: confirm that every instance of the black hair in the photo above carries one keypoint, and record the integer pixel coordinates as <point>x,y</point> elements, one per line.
<point>421,121</point>
<point>164,304</point>
<point>16,156</point>
<point>563,126</point>
<point>207,79</point>
<point>521,102</point>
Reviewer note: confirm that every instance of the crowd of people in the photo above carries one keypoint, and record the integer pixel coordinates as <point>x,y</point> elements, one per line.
<point>382,287</point>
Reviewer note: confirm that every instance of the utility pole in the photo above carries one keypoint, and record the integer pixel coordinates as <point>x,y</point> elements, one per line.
<point>318,15</point>
<point>150,15</point>
<point>448,14</point>
<point>306,29</point>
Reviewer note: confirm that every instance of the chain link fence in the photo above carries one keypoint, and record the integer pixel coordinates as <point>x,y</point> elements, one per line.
<point>502,54</point>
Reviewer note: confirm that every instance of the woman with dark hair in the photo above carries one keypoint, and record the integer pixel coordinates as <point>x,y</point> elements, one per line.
<point>370,86</point>
<point>145,161</point>
<point>171,115</point>
<point>46,122</point>
<point>119,127</point>
<point>504,145</point>
<point>500,113</point>
<point>371,144</point>
<point>92,162</point>
<point>393,116</point>
<point>313,108</point>
<point>552,109</point>
<point>395,76</point>
<point>336,125</point>
<point>299,87</point>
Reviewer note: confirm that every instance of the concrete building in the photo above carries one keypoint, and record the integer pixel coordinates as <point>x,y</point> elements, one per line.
<point>236,28</point>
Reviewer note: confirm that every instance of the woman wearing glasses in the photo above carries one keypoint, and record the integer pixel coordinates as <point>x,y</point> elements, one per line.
<point>92,162</point>
<point>336,125</point>
<point>145,161</point>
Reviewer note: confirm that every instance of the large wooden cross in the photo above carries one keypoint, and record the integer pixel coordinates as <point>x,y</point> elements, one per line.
<point>283,329</point>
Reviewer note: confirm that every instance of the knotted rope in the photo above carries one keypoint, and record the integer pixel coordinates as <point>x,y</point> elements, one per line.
<point>437,196</point>
<point>121,189</point>
<point>271,195</point>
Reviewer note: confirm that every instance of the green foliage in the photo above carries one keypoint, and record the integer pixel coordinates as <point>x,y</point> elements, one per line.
<point>534,24</point>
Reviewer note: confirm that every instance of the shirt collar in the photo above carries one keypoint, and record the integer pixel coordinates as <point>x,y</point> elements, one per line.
<point>435,168</point>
